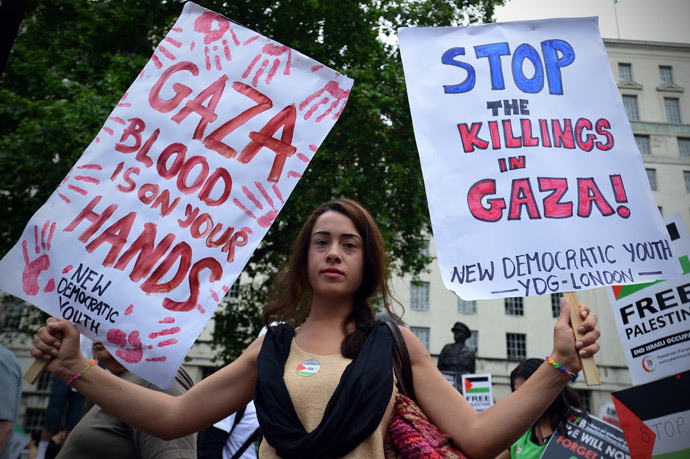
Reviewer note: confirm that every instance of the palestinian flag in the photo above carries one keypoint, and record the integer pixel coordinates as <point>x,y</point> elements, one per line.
<point>477,384</point>
<point>652,417</point>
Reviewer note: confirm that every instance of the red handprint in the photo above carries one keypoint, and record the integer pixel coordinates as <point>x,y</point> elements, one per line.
<point>266,219</point>
<point>271,51</point>
<point>213,27</point>
<point>120,338</point>
<point>334,91</point>
<point>32,269</point>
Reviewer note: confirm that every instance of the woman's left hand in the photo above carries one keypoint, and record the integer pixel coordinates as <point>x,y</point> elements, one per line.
<point>567,349</point>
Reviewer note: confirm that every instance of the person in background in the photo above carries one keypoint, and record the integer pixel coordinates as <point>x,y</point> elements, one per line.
<point>326,389</point>
<point>62,400</point>
<point>532,444</point>
<point>232,437</point>
<point>10,393</point>
<point>101,435</point>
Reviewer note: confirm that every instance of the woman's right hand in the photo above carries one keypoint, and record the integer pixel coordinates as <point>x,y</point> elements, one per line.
<point>58,342</point>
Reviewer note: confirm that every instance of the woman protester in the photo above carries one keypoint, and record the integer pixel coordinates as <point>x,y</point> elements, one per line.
<point>531,445</point>
<point>324,389</point>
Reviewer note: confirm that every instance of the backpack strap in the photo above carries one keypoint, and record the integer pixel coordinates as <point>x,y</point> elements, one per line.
<point>238,417</point>
<point>246,444</point>
<point>401,361</point>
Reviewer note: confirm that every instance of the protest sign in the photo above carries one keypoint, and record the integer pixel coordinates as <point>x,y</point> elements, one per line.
<point>587,439</point>
<point>161,213</point>
<point>653,319</point>
<point>655,417</point>
<point>477,390</point>
<point>533,178</point>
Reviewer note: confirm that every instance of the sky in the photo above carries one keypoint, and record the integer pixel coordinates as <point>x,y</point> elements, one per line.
<point>650,20</point>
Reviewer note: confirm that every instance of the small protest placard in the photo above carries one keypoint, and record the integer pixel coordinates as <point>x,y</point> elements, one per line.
<point>587,439</point>
<point>478,391</point>
<point>161,213</point>
<point>655,417</point>
<point>653,319</point>
<point>534,181</point>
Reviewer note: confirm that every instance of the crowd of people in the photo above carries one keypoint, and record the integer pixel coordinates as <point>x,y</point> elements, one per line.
<point>343,406</point>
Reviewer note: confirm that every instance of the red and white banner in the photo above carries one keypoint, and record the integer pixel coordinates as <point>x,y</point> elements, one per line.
<point>161,213</point>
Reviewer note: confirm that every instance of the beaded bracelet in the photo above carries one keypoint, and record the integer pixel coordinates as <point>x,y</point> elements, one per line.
<point>555,364</point>
<point>92,362</point>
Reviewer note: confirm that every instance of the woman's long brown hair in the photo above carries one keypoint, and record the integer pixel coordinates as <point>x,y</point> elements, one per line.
<point>290,296</point>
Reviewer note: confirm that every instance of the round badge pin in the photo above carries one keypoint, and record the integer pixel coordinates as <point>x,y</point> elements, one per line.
<point>308,368</point>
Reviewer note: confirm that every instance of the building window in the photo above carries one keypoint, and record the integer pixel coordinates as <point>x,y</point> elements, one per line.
<point>467,306</point>
<point>630,104</point>
<point>625,72</point>
<point>473,341</point>
<point>516,346</point>
<point>672,110</point>
<point>423,334</point>
<point>234,291</point>
<point>425,249</point>
<point>586,397</point>
<point>419,296</point>
<point>43,382</point>
<point>555,304</point>
<point>33,420</point>
<point>686,176</point>
<point>651,175</point>
<point>666,74</point>
<point>207,371</point>
<point>642,142</point>
<point>514,306</point>
<point>684,146</point>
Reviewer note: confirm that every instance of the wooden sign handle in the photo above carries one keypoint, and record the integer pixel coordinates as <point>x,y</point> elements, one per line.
<point>35,370</point>
<point>589,366</point>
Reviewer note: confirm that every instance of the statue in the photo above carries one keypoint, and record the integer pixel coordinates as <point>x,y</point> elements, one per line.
<point>456,358</point>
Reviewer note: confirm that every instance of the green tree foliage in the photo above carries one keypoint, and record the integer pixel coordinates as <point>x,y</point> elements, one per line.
<point>73,60</point>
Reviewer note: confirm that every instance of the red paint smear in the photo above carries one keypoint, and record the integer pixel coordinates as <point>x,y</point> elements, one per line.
<point>77,189</point>
<point>276,190</point>
<point>214,295</point>
<point>226,288</point>
<point>124,104</point>
<point>175,43</point>
<point>247,230</point>
<point>176,29</point>
<point>201,309</point>
<point>67,269</point>
<point>150,347</point>
<point>167,320</point>
<point>302,157</point>
<point>168,331</point>
<point>316,67</point>
<point>108,130</point>
<point>293,174</point>
<point>134,339</point>
<point>129,309</point>
<point>157,359</point>
<point>250,40</point>
<point>130,355</point>
<point>167,53</point>
<point>98,140</point>
<point>50,286</point>
<point>168,342</point>
<point>90,166</point>
<point>117,336</point>
<point>313,148</point>
<point>85,178</point>
<point>156,62</point>
<point>64,198</point>
<point>117,119</point>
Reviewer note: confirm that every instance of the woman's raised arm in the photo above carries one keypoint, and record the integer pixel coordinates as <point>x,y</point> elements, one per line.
<point>156,413</point>
<point>492,431</point>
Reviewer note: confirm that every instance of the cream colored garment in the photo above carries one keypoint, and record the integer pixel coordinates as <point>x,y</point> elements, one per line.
<point>310,395</point>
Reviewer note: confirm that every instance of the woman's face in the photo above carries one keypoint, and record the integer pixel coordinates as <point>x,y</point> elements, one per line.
<point>336,256</point>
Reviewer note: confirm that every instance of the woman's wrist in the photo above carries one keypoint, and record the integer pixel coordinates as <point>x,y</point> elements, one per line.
<point>563,369</point>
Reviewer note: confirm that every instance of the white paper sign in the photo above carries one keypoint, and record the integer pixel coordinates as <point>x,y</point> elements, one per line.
<point>163,210</point>
<point>534,182</point>
<point>477,390</point>
<point>653,319</point>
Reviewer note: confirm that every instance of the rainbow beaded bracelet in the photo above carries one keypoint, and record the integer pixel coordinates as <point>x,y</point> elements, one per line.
<point>555,364</point>
<point>92,362</point>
